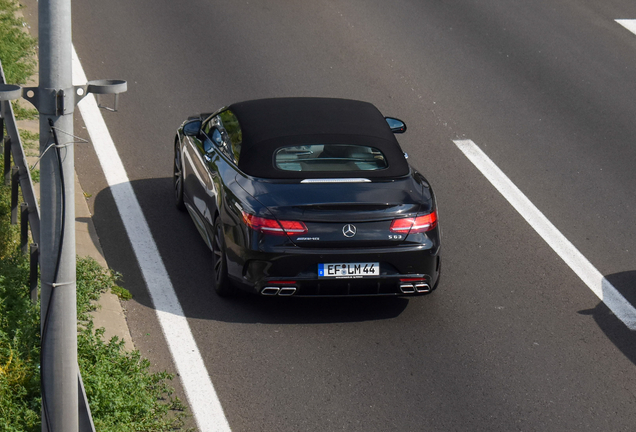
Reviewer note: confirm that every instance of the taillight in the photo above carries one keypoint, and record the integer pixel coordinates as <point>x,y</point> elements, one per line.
<point>414,225</point>
<point>402,225</point>
<point>272,226</point>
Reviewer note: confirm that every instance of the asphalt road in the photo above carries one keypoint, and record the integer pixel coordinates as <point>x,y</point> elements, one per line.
<point>512,339</point>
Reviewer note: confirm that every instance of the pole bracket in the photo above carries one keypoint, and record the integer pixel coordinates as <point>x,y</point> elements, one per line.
<point>58,102</point>
<point>49,101</point>
<point>104,87</point>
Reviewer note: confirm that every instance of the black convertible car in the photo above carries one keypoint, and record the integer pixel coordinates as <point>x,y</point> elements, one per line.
<point>307,197</point>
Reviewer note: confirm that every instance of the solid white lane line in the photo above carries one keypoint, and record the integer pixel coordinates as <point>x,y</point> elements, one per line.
<point>557,241</point>
<point>200,392</point>
<point>629,24</point>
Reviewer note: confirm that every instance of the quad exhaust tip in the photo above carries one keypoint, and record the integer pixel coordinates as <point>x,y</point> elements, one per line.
<point>419,287</point>
<point>270,291</point>
<point>287,291</point>
<point>284,291</point>
<point>407,288</point>
<point>422,288</point>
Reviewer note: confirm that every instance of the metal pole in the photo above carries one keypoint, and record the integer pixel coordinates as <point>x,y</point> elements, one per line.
<point>58,303</point>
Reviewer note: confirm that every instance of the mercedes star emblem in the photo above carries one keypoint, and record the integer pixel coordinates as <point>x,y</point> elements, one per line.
<point>349,230</point>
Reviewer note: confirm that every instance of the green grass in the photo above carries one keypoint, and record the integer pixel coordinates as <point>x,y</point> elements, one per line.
<point>17,48</point>
<point>22,113</point>
<point>30,142</point>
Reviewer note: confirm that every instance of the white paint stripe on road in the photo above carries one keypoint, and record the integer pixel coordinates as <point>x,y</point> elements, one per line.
<point>200,392</point>
<point>557,241</point>
<point>629,24</point>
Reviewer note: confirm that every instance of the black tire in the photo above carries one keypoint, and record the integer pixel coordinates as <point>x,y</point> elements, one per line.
<point>177,178</point>
<point>222,284</point>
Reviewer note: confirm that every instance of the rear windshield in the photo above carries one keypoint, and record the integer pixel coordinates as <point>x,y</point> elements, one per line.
<point>329,157</point>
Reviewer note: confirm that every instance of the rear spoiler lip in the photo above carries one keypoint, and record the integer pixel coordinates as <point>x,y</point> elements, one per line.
<point>336,180</point>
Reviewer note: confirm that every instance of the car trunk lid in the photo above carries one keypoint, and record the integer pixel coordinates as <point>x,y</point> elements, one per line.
<point>342,214</point>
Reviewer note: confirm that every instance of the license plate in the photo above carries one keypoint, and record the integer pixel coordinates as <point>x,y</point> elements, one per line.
<point>349,270</point>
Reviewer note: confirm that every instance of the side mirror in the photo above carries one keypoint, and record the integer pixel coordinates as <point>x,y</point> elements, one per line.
<point>192,128</point>
<point>397,126</point>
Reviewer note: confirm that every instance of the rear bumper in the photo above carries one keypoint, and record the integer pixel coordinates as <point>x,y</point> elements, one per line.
<point>348,287</point>
<point>410,270</point>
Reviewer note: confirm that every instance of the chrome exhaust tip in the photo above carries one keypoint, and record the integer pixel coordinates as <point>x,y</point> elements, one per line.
<point>407,288</point>
<point>287,291</point>
<point>270,291</point>
<point>422,288</point>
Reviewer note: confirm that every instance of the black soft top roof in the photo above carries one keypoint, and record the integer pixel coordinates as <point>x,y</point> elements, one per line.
<point>268,124</point>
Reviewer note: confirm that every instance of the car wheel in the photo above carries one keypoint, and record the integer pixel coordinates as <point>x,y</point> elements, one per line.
<point>222,284</point>
<point>177,177</point>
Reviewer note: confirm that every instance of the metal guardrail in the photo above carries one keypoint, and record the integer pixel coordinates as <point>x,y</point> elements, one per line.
<point>18,176</point>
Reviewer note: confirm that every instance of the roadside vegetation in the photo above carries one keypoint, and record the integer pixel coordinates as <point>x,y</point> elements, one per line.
<point>17,47</point>
<point>123,393</point>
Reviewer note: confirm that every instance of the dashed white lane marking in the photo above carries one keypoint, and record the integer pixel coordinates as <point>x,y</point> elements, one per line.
<point>629,24</point>
<point>200,392</point>
<point>613,299</point>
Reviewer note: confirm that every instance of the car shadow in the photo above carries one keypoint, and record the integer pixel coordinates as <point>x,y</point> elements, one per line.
<point>188,262</point>
<point>252,308</point>
<point>620,335</point>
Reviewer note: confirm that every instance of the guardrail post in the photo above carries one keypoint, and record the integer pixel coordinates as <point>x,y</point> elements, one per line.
<point>34,259</point>
<point>24,227</point>
<point>15,188</point>
<point>2,124</point>
<point>7,160</point>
